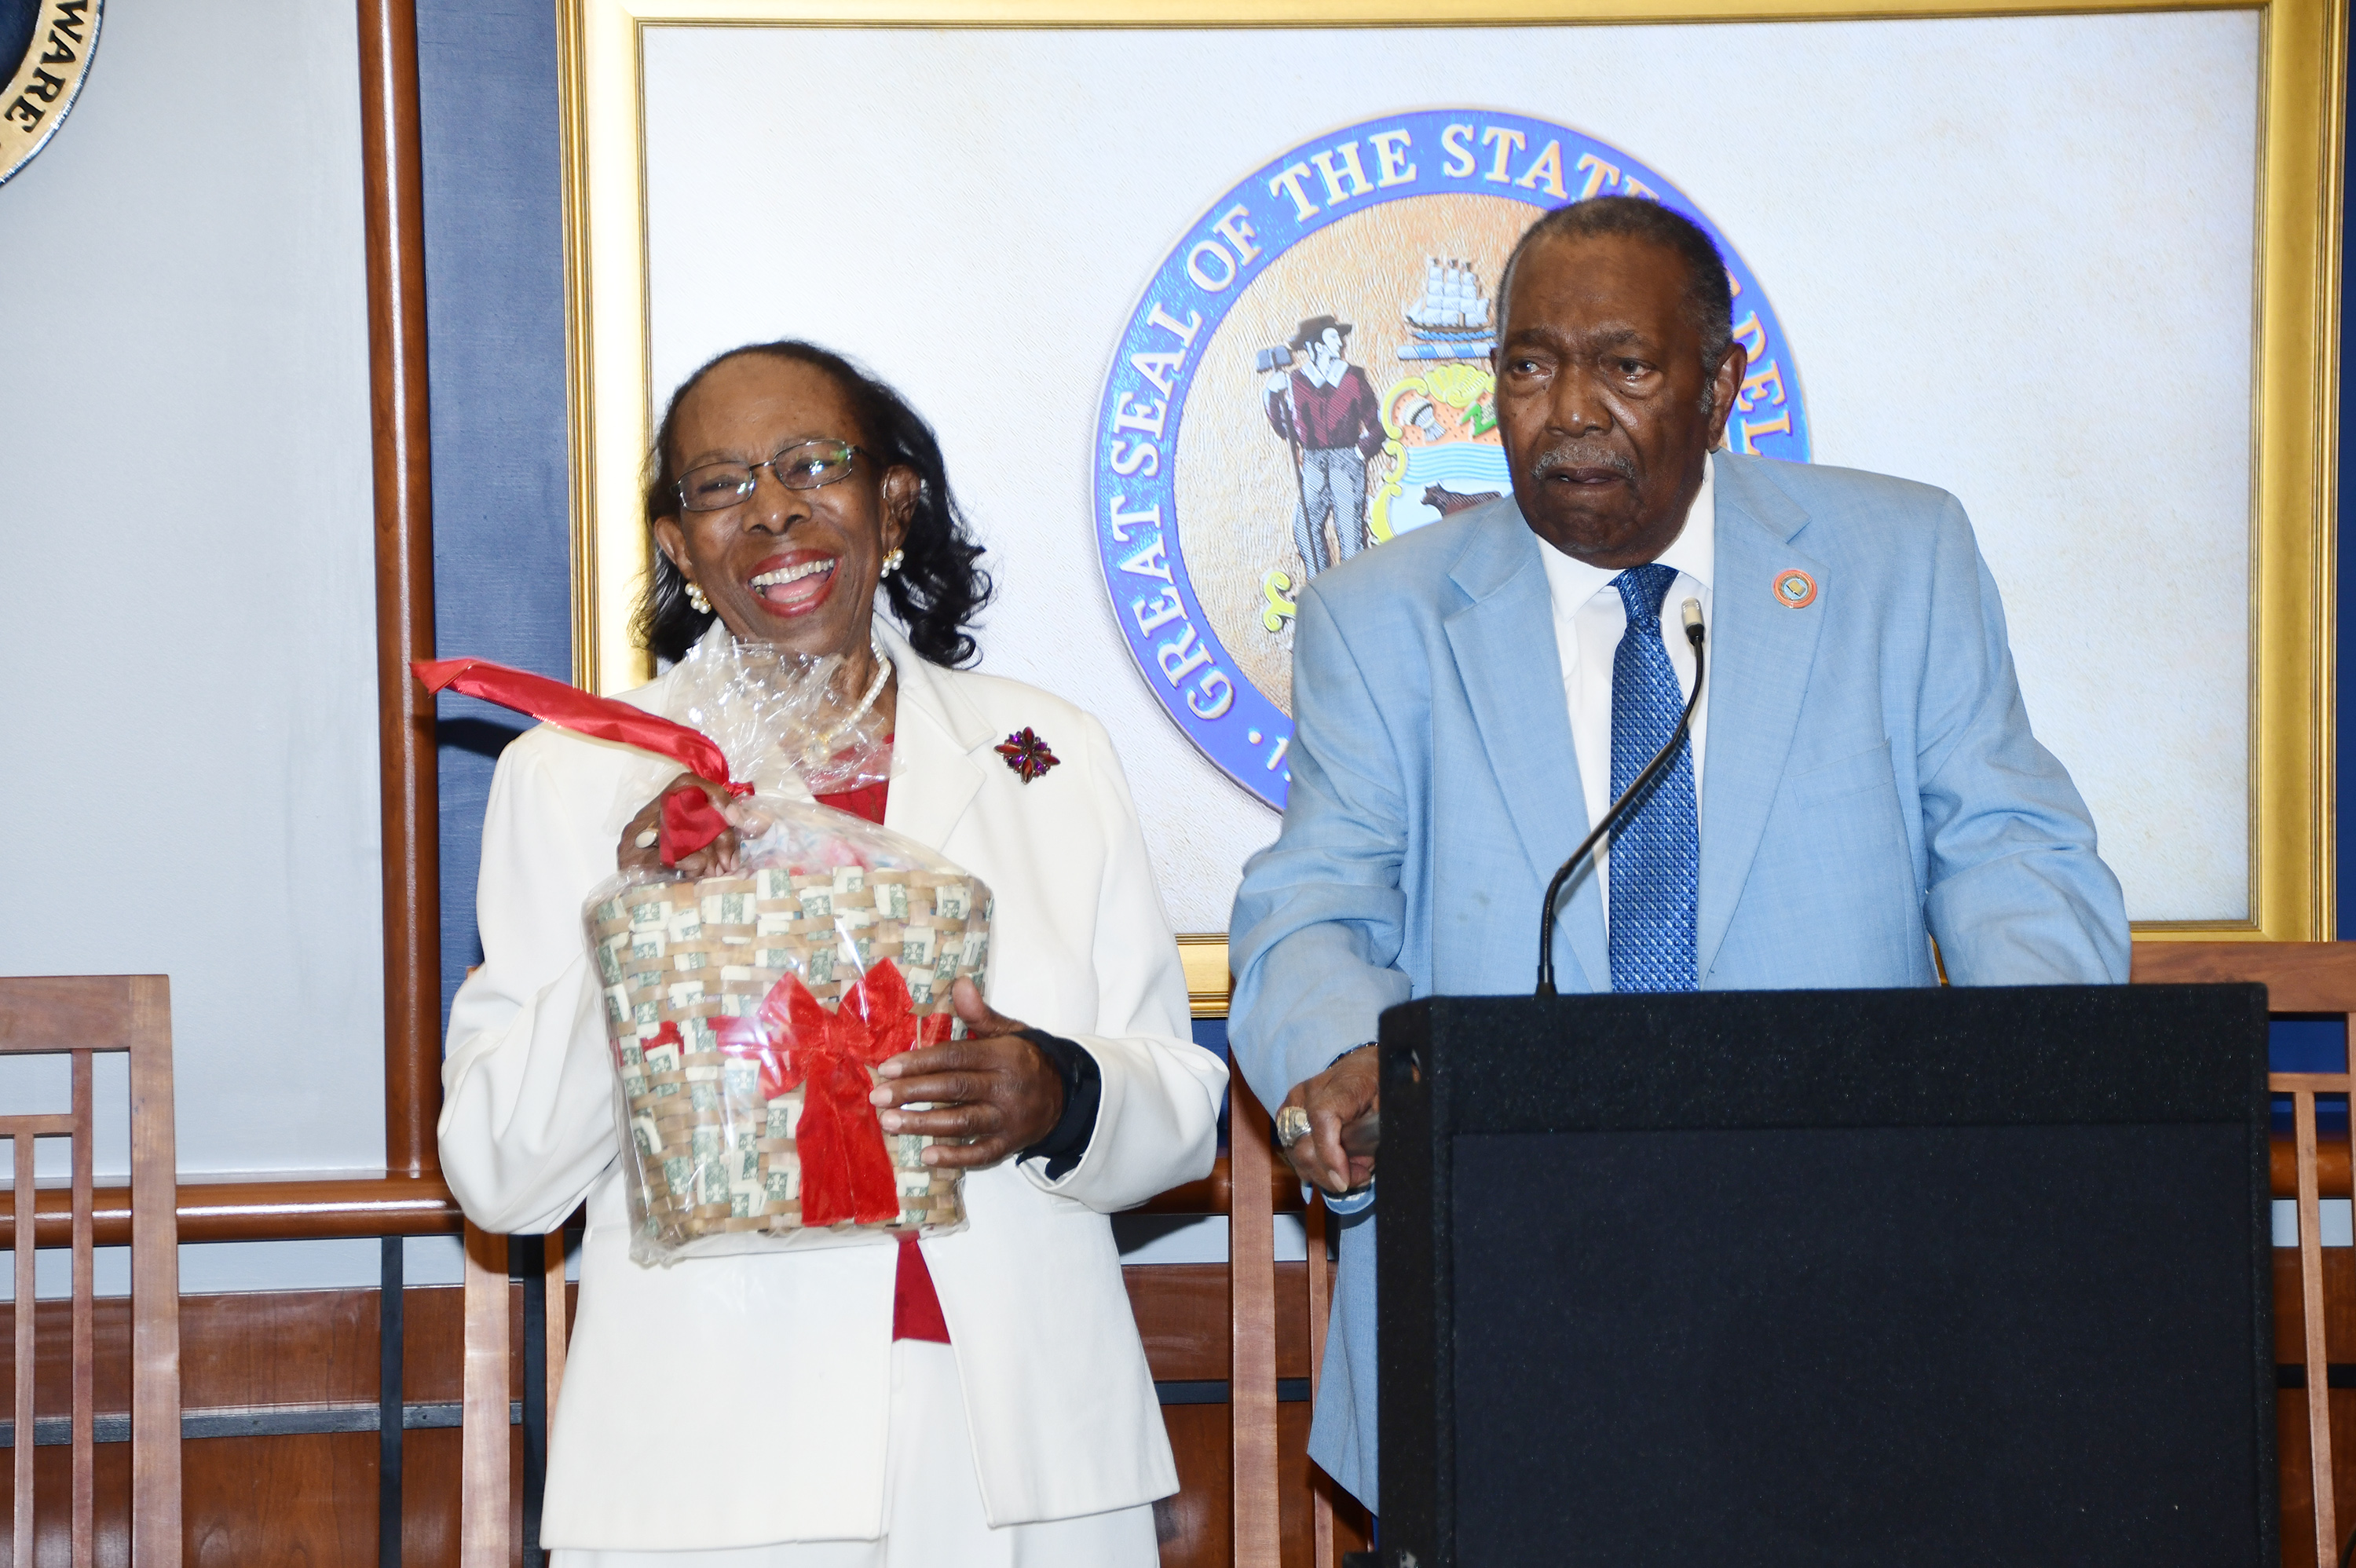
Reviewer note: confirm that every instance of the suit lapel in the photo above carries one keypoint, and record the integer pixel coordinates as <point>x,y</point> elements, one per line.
<point>1761,651</point>
<point>1503,646</point>
<point>937,731</point>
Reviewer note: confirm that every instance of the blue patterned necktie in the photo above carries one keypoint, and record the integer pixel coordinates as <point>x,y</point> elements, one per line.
<point>1656,850</point>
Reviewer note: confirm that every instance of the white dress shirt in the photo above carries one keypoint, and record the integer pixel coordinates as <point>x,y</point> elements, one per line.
<point>1589,619</point>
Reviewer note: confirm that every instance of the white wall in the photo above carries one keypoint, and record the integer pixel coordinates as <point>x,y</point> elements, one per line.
<point>2012,256</point>
<point>188,777</point>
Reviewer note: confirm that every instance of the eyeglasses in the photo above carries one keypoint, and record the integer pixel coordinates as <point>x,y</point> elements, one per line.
<point>805,466</point>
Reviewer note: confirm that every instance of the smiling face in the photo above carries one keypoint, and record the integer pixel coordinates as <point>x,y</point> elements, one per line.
<point>1600,397</point>
<point>794,567</point>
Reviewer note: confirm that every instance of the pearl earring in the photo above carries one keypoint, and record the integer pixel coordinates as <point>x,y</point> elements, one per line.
<point>891,561</point>
<point>695,597</point>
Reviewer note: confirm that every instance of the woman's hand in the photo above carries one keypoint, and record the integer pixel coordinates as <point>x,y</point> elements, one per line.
<point>993,1087</point>
<point>1338,1099</point>
<point>641,848</point>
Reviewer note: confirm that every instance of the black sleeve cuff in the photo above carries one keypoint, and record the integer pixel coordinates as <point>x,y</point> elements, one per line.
<point>1067,1140</point>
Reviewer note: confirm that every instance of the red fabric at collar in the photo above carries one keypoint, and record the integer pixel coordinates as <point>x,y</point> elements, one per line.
<point>865,802</point>
<point>915,1305</point>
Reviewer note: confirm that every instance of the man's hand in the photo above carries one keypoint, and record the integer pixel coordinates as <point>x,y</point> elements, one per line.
<point>1341,1096</point>
<point>993,1087</point>
<point>717,857</point>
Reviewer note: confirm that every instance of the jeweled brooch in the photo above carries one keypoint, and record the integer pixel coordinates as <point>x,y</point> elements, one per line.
<point>1026,754</point>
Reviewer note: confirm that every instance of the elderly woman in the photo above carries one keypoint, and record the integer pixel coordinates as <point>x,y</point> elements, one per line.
<point>975,1399</point>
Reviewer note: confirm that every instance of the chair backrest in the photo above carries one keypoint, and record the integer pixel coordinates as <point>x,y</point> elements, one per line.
<point>484,1517</point>
<point>2300,977</point>
<point>1256,1516</point>
<point>1256,1465</point>
<point>80,1016</point>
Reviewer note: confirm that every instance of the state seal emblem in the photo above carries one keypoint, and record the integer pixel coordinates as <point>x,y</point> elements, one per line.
<point>45,48</point>
<point>1306,375</point>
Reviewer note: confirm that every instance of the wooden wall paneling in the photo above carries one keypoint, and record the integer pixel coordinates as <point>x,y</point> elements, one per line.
<point>2339,1305</point>
<point>1305,1490</point>
<point>1195,1528</point>
<point>2332,1163</point>
<point>392,194</point>
<point>2296,1472</point>
<point>432,1468</point>
<point>273,1499</point>
<point>52,1530</point>
<point>282,1500</point>
<point>2299,976</point>
<point>1182,1311</point>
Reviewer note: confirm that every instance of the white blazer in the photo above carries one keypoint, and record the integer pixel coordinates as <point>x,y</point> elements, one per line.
<point>739,1402</point>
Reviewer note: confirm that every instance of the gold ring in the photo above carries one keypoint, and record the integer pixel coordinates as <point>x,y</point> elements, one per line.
<point>1292,1125</point>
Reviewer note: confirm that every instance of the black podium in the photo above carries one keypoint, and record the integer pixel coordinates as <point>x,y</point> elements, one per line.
<point>1833,1277</point>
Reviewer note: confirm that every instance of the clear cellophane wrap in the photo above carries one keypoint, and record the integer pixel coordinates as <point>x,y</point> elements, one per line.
<point>748,1012</point>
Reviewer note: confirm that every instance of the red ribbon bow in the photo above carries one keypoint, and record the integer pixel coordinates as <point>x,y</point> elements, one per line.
<point>846,1173</point>
<point>690,820</point>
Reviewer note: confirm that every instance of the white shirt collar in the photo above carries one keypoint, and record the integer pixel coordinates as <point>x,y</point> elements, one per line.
<point>1316,376</point>
<point>1694,552</point>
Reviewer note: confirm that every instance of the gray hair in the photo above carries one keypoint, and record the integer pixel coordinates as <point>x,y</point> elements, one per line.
<point>1708,296</point>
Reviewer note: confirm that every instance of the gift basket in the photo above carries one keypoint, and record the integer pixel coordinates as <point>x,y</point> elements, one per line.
<point>747,1010</point>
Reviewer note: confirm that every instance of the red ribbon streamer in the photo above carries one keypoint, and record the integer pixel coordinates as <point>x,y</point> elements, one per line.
<point>846,1172</point>
<point>690,820</point>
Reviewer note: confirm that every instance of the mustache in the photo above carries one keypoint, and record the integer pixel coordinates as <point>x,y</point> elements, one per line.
<point>1565,454</point>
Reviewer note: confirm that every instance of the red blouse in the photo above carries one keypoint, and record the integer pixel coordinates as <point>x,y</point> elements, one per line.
<point>915,1307</point>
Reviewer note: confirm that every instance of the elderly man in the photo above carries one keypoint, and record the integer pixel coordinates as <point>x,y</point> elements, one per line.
<point>1859,778</point>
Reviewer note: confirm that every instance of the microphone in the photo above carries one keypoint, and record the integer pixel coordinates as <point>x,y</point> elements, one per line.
<point>1690,613</point>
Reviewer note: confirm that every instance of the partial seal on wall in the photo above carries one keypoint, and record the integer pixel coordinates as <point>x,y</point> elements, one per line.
<point>45,49</point>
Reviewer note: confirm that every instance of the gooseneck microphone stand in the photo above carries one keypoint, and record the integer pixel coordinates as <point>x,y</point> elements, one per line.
<point>1690,613</point>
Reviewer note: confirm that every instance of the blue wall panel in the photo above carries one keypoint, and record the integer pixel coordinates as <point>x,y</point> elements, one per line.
<point>495,311</point>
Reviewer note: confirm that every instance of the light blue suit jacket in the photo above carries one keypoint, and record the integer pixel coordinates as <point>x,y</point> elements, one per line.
<point>1870,780</point>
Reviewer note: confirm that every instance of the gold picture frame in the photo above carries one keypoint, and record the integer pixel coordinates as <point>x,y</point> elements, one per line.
<point>2295,379</point>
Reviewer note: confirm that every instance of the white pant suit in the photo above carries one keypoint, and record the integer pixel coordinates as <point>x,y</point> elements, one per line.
<point>754,1411</point>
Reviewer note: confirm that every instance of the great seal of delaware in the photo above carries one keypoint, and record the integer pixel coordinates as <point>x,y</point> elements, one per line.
<point>45,49</point>
<point>1306,374</point>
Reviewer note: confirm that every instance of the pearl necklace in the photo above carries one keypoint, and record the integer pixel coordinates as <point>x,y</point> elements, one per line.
<point>822,749</point>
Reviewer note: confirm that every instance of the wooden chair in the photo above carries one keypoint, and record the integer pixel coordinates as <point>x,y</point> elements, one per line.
<point>1251,1326</point>
<point>1252,1307</point>
<point>78,1016</point>
<point>486,1536</point>
<point>2299,977</point>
